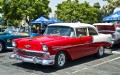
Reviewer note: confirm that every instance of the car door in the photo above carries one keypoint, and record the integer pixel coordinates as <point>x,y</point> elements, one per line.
<point>83,42</point>
<point>94,45</point>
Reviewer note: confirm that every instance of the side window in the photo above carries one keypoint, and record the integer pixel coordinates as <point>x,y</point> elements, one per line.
<point>92,31</point>
<point>81,32</point>
<point>72,33</point>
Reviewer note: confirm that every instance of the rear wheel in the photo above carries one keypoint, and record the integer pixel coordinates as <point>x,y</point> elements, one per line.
<point>60,60</point>
<point>1,47</point>
<point>101,52</point>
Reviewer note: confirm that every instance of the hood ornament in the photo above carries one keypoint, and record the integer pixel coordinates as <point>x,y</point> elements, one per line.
<point>27,46</point>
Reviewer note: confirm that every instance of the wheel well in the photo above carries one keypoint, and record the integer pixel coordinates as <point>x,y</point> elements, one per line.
<point>67,54</point>
<point>3,43</point>
<point>104,46</point>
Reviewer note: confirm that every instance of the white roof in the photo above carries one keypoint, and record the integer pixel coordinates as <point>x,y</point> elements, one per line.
<point>74,25</point>
<point>97,24</point>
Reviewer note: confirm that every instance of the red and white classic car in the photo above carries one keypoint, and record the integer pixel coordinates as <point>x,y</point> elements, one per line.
<point>110,28</point>
<point>60,42</point>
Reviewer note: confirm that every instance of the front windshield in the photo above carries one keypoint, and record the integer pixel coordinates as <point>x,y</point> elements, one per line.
<point>59,31</point>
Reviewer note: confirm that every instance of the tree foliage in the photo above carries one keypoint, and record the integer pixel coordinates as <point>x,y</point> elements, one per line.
<point>1,6</point>
<point>21,9</point>
<point>97,5</point>
<point>112,4</point>
<point>101,13</point>
<point>73,11</point>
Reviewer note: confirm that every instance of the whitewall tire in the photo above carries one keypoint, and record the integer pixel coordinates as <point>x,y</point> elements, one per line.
<point>101,52</point>
<point>60,60</point>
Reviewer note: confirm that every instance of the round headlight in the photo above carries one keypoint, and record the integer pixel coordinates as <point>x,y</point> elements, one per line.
<point>45,48</point>
<point>14,44</point>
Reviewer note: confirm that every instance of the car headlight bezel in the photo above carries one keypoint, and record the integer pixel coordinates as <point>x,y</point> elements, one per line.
<point>14,44</point>
<point>44,48</point>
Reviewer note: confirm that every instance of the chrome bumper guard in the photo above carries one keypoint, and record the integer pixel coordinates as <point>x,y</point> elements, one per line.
<point>34,60</point>
<point>113,41</point>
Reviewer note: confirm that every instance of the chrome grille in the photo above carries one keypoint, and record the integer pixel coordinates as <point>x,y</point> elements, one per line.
<point>26,53</point>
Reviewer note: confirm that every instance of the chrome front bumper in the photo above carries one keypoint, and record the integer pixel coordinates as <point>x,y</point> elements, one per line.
<point>34,60</point>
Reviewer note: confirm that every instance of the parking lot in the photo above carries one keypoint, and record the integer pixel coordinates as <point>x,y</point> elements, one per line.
<point>108,65</point>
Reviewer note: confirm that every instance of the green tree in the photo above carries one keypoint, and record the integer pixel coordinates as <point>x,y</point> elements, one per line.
<point>73,11</point>
<point>100,11</point>
<point>22,9</point>
<point>97,5</point>
<point>1,1</point>
<point>112,4</point>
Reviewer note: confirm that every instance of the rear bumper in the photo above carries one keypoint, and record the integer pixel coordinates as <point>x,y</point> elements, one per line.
<point>34,60</point>
<point>115,41</point>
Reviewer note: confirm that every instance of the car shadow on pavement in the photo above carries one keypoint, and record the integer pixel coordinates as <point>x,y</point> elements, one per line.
<point>35,67</point>
<point>7,50</point>
<point>50,69</point>
<point>115,48</point>
<point>85,60</point>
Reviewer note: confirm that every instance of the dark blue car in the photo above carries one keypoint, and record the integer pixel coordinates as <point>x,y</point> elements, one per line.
<point>12,33</point>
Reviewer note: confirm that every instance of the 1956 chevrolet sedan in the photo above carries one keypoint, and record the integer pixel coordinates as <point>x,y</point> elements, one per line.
<point>60,42</point>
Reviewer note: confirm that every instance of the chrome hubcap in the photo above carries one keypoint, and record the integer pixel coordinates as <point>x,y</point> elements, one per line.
<point>101,51</point>
<point>61,60</point>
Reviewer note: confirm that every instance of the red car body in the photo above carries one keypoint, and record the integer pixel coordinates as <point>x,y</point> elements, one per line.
<point>68,47</point>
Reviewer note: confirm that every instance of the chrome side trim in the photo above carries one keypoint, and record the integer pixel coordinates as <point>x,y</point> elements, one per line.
<point>68,46</point>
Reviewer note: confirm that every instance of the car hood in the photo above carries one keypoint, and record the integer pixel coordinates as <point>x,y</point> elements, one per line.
<point>35,43</point>
<point>45,39</point>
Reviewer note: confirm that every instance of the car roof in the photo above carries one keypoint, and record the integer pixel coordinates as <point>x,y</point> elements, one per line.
<point>100,24</point>
<point>74,25</point>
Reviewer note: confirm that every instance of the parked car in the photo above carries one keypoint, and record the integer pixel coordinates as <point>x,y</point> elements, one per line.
<point>11,33</point>
<point>60,42</point>
<point>110,28</point>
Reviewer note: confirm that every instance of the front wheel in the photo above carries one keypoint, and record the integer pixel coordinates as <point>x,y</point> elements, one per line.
<point>101,52</point>
<point>60,60</point>
<point>1,47</point>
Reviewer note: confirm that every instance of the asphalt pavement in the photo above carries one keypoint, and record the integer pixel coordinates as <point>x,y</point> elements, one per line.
<point>108,65</point>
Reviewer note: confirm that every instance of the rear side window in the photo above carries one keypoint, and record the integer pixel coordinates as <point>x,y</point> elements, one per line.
<point>92,31</point>
<point>81,32</point>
